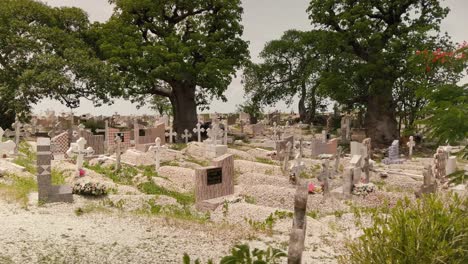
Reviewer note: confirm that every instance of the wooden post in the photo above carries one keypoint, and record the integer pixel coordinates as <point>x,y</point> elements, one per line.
<point>297,236</point>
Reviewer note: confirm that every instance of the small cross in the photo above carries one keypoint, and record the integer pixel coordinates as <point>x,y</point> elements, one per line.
<point>171,135</point>
<point>78,150</point>
<point>198,130</point>
<point>186,136</point>
<point>411,144</point>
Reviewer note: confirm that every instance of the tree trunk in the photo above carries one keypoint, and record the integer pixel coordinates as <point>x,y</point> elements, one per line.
<point>184,107</point>
<point>380,120</point>
<point>306,115</point>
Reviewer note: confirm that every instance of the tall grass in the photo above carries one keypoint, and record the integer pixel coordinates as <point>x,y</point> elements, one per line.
<point>432,230</point>
<point>17,189</point>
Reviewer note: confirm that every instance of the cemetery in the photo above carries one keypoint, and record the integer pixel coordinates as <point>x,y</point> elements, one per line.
<point>339,184</point>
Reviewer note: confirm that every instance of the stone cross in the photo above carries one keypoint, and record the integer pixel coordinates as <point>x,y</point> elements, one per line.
<point>156,149</point>
<point>6,147</point>
<point>186,136</point>
<point>411,144</point>
<point>298,231</point>
<point>198,130</point>
<point>339,150</point>
<point>297,167</point>
<point>78,150</point>
<point>171,135</point>
<point>118,152</point>
<point>242,126</point>
<point>18,126</point>
<point>214,132</point>
<point>439,163</point>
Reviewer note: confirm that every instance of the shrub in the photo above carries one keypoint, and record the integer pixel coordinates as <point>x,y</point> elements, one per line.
<point>431,230</point>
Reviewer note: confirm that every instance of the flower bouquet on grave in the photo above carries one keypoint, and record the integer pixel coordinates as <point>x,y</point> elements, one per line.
<point>82,173</point>
<point>90,189</point>
<point>363,188</point>
<point>314,189</point>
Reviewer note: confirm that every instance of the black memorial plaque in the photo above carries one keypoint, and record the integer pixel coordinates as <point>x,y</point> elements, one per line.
<point>214,176</point>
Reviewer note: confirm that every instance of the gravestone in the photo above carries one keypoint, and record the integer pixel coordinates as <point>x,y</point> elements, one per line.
<point>393,154</point>
<point>156,149</point>
<point>118,152</point>
<point>355,163</point>
<point>296,169</point>
<point>298,231</point>
<point>7,147</point>
<point>429,184</point>
<point>318,147</point>
<point>439,163</point>
<point>213,146</point>
<point>186,136</point>
<point>257,129</point>
<point>345,128</point>
<point>78,150</point>
<point>214,182</point>
<point>348,181</point>
<point>411,144</point>
<point>324,177</point>
<point>47,192</point>
<point>287,156</point>
<point>366,154</point>
<point>171,134</point>
<point>337,159</point>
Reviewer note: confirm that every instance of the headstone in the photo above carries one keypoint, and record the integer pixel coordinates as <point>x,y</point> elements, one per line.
<point>451,165</point>
<point>348,181</point>
<point>298,231</point>
<point>214,181</point>
<point>156,149</point>
<point>355,163</point>
<point>7,147</point>
<point>318,147</point>
<point>20,131</point>
<point>366,155</point>
<point>186,136</point>
<point>324,177</point>
<point>78,150</point>
<point>198,130</point>
<point>287,156</point>
<point>411,144</point>
<point>49,193</point>
<point>118,153</point>
<point>296,169</point>
<point>429,185</point>
<point>275,132</point>
<point>337,159</point>
<point>439,163</point>
<point>393,154</point>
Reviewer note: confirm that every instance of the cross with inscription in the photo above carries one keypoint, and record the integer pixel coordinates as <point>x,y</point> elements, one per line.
<point>198,130</point>
<point>214,132</point>
<point>78,150</point>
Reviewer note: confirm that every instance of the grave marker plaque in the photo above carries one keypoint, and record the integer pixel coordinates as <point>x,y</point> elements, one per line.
<point>214,176</point>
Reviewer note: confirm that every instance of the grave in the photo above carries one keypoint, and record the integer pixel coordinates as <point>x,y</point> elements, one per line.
<point>411,144</point>
<point>49,193</point>
<point>429,185</point>
<point>156,149</point>
<point>216,181</point>
<point>393,154</point>
<point>319,147</point>
<point>213,146</point>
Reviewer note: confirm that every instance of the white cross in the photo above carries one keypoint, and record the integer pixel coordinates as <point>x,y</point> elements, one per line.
<point>171,135</point>
<point>186,136</point>
<point>118,152</point>
<point>198,130</point>
<point>214,133</point>
<point>78,150</point>
<point>156,149</point>
<point>324,136</point>
<point>287,155</point>
<point>411,144</point>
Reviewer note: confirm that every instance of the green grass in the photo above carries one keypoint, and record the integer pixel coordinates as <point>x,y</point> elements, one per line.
<point>433,229</point>
<point>91,208</point>
<point>265,161</point>
<point>152,188</point>
<point>58,178</point>
<point>124,176</point>
<point>178,146</point>
<point>170,163</point>
<point>202,163</point>
<point>313,214</point>
<point>28,159</point>
<point>177,212</point>
<point>18,189</point>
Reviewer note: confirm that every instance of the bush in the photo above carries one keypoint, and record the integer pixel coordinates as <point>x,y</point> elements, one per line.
<point>431,230</point>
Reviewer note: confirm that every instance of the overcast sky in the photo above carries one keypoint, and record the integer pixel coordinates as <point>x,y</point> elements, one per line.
<point>264,20</point>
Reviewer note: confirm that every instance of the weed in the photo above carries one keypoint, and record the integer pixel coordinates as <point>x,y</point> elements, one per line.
<point>177,212</point>
<point>265,161</point>
<point>250,199</point>
<point>313,214</point>
<point>18,188</point>
<point>178,146</point>
<point>91,208</point>
<point>152,188</point>
<point>225,208</point>
<point>202,163</point>
<point>58,178</point>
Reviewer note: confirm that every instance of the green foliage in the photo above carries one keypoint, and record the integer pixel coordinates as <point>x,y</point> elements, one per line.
<point>253,108</point>
<point>161,104</point>
<point>186,260</point>
<point>313,214</point>
<point>17,188</point>
<point>202,163</point>
<point>26,158</point>
<point>457,177</point>
<point>177,212</point>
<point>446,113</point>
<point>433,229</point>
<point>124,176</point>
<point>58,178</point>
<point>178,146</point>
<point>265,161</point>
<point>45,54</point>
<point>242,254</point>
<point>268,224</point>
<point>152,188</point>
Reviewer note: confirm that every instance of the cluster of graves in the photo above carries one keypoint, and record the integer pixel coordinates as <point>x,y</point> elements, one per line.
<point>61,138</point>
